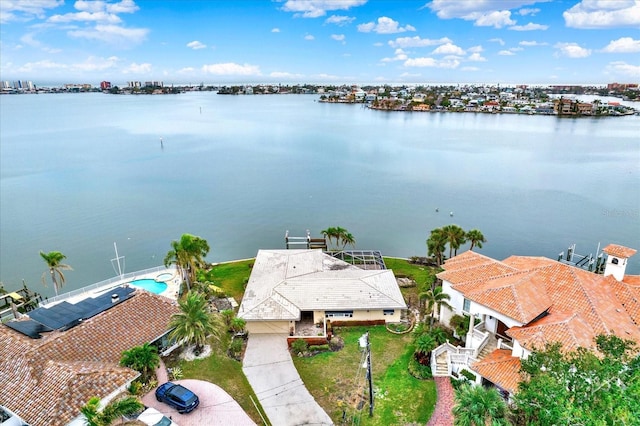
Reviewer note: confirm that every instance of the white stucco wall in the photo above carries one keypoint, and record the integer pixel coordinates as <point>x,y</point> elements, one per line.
<point>264,327</point>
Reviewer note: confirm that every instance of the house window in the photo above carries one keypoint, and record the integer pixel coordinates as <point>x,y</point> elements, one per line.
<point>389,311</point>
<point>338,314</point>
<point>466,305</point>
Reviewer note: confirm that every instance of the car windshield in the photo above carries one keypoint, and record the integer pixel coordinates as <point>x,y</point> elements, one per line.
<point>163,422</point>
<point>183,394</point>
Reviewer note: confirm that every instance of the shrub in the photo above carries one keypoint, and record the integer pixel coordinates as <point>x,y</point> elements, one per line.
<point>468,375</point>
<point>235,347</point>
<point>460,324</point>
<point>318,348</point>
<point>135,387</point>
<point>299,346</point>
<point>176,373</point>
<point>418,370</point>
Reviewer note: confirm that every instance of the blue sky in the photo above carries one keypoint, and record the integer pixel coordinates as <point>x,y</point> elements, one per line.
<point>321,41</point>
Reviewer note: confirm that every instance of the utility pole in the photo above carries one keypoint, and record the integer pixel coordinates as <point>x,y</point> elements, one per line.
<point>369,376</point>
<point>366,345</point>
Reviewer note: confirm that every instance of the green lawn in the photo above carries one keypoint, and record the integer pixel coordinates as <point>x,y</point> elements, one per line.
<point>231,277</point>
<point>336,382</point>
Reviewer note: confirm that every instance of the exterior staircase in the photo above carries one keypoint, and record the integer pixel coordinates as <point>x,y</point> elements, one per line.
<point>492,345</point>
<point>441,365</point>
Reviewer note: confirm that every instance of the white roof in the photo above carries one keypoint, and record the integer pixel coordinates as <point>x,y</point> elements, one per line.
<point>285,282</point>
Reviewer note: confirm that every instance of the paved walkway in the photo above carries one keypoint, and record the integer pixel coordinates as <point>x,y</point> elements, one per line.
<point>442,415</point>
<point>268,366</point>
<point>216,406</point>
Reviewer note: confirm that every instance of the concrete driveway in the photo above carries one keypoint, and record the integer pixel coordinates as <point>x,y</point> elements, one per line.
<point>268,366</point>
<point>216,406</point>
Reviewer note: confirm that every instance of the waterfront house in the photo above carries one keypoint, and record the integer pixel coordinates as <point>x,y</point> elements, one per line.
<point>522,303</point>
<point>50,367</point>
<point>290,287</point>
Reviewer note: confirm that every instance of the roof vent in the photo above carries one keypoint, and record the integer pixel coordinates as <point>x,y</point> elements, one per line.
<point>114,298</point>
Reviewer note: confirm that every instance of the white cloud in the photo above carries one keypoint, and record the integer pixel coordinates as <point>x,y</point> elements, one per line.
<point>231,68</point>
<point>624,69</point>
<point>112,34</point>
<point>339,20</point>
<point>623,45</point>
<point>603,14</point>
<point>506,53</point>
<point>529,27</point>
<point>323,76</point>
<point>417,42</point>
<point>528,11</point>
<point>275,30</point>
<point>104,17</point>
<point>378,44</point>
<point>516,49</point>
<point>195,45</point>
<point>398,55</point>
<point>186,70</point>
<point>447,9</point>
<point>309,37</point>
<point>476,57</point>
<point>41,65</point>
<point>24,10</point>
<point>497,40</point>
<point>432,63</point>
<point>135,68</point>
<point>532,43</point>
<point>571,50</point>
<point>94,63</point>
<point>338,37</point>
<point>124,6</point>
<point>496,19</point>
<point>448,49</point>
<point>287,75</point>
<point>475,49</point>
<point>317,8</point>
<point>470,69</point>
<point>384,25</point>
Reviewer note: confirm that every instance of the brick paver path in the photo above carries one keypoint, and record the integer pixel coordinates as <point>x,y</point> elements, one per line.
<point>442,415</point>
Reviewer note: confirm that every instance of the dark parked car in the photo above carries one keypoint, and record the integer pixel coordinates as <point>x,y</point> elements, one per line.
<point>177,396</point>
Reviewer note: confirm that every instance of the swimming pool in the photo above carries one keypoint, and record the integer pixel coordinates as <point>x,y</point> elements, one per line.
<point>164,276</point>
<point>150,284</point>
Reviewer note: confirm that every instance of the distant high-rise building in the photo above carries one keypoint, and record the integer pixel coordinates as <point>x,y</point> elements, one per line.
<point>105,85</point>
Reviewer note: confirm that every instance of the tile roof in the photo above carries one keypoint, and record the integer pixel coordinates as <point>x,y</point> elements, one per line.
<point>500,368</point>
<point>569,329</point>
<point>619,251</point>
<point>523,288</point>
<point>46,381</point>
<point>284,282</point>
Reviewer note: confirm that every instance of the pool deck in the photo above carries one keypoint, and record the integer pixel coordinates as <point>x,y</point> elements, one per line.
<point>173,286</point>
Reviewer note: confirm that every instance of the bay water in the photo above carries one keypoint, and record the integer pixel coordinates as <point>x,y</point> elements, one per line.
<point>80,172</point>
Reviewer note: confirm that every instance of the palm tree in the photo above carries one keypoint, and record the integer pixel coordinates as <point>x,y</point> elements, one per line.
<point>455,238</point>
<point>476,238</point>
<point>193,324</point>
<point>119,408</point>
<point>347,238</point>
<point>188,255</point>
<point>436,245</point>
<point>425,343</point>
<point>53,259</point>
<point>479,406</point>
<point>142,358</point>
<point>434,298</point>
<point>330,233</point>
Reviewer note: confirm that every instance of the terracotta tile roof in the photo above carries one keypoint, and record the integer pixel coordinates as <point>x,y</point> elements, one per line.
<point>628,293</point>
<point>517,296</point>
<point>569,329</point>
<point>522,288</point>
<point>46,381</point>
<point>633,280</point>
<point>500,368</point>
<point>619,251</point>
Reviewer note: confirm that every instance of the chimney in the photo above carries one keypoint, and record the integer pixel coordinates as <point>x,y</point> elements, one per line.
<point>114,298</point>
<point>617,258</point>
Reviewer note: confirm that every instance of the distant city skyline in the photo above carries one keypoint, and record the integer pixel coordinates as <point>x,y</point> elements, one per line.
<point>321,41</point>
